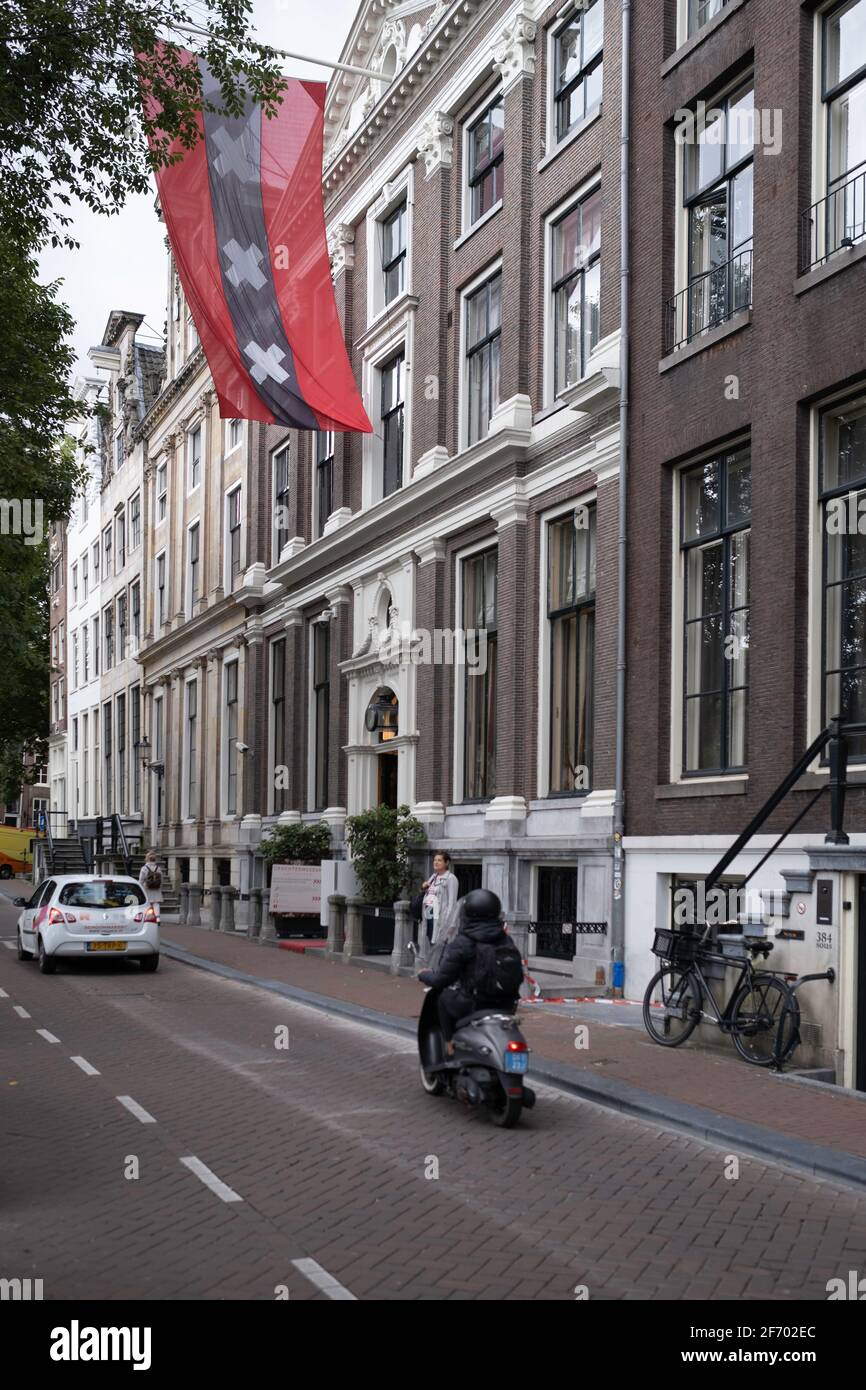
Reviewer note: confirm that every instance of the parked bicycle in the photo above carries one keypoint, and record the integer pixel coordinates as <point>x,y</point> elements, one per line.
<point>762,1015</point>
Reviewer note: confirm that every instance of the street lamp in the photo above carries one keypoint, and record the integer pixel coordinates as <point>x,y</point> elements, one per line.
<point>142,748</point>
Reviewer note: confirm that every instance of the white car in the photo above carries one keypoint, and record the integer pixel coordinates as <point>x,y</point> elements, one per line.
<point>78,915</point>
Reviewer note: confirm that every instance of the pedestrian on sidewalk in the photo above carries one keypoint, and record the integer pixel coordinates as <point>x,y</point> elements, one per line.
<point>439,907</point>
<point>150,879</point>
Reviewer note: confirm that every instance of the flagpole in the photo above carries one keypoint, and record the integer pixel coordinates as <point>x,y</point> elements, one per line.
<point>303,57</point>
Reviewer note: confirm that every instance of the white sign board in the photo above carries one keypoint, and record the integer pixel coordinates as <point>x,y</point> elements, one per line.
<point>296,889</point>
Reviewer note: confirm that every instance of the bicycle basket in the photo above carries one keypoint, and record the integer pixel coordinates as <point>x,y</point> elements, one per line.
<point>676,947</point>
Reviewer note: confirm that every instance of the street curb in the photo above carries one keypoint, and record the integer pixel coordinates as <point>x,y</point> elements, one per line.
<point>741,1135</point>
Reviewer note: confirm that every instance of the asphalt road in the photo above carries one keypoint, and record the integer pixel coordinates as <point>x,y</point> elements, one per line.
<point>179,1135</point>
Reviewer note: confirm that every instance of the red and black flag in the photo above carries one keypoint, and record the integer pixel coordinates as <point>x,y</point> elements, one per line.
<point>246,224</point>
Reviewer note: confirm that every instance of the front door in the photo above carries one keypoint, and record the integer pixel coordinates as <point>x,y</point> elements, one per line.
<point>387,779</point>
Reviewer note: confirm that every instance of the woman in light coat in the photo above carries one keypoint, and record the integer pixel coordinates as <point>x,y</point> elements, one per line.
<point>150,879</point>
<point>439,914</point>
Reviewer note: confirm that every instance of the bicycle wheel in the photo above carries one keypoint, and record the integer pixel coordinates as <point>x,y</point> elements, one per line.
<point>671,1006</point>
<point>765,1020</point>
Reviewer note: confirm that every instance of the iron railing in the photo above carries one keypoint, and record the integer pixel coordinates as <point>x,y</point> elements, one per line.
<point>835,223</point>
<point>558,940</point>
<point>709,300</point>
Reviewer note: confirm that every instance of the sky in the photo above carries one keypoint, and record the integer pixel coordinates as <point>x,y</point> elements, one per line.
<point>121,263</point>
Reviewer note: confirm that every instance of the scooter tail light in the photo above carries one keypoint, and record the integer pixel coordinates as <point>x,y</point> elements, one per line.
<point>515,1046</point>
<point>55,916</point>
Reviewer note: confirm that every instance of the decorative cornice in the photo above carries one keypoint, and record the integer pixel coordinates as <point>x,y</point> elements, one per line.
<point>436,143</point>
<point>341,248</point>
<point>514,51</point>
<point>430,551</point>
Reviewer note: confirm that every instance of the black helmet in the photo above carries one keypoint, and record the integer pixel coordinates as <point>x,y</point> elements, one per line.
<point>481,906</point>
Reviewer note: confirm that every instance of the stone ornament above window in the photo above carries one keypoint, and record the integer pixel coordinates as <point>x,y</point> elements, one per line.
<point>514,51</point>
<point>341,248</point>
<point>436,143</point>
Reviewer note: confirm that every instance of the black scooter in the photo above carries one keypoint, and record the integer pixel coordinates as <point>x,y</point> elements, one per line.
<point>489,1063</point>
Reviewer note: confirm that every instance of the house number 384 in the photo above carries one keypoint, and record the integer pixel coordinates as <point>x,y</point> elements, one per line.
<point>824,940</point>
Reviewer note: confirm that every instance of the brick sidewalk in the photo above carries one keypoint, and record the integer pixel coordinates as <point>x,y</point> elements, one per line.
<point>690,1075</point>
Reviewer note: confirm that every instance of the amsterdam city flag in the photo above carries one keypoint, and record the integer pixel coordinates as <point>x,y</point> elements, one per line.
<point>245,220</point>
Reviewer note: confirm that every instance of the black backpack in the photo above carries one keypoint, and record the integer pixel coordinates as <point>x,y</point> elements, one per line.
<point>498,971</point>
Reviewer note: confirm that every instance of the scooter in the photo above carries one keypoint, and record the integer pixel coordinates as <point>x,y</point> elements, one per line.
<point>489,1063</point>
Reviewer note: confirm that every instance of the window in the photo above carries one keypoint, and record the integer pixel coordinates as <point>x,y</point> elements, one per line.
<point>54,646</point>
<point>576,287</point>
<point>120,550</point>
<point>483,333</point>
<point>95,566</point>
<point>571,616</point>
<point>233,548</point>
<point>702,11</point>
<point>281,501</point>
<point>121,753</point>
<point>121,627</point>
<point>107,753</point>
<point>135,739</point>
<point>61,697</point>
<point>85,653</point>
<point>231,734</point>
<point>394,253</point>
<point>161,491</point>
<point>55,705</point>
<point>192,338</point>
<point>479,615</point>
<point>75,735</point>
<point>84,577</point>
<point>55,576</point>
<point>718,213</point>
<point>716,508</point>
<point>278,720</point>
<point>194,454</point>
<point>485,160</point>
<point>842,484</point>
<point>106,552</point>
<point>135,607</point>
<point>61,639</point>
<point>192,750</point>
<point>108,630</point>
<point>844,96</point>
<point>158,755</point>
<point>393,375</point>
<point>321,710</point>
<point>161,611</point>
<point>193,565</point>
<point>134,522</point>
<point>119,452</point>
<point>234,434</point>
<point>96,646</point>
<point>578,67</point>
<point>75,661</point>
<point>74,585</point>
<point>85,765</point>
<point>325,478</point>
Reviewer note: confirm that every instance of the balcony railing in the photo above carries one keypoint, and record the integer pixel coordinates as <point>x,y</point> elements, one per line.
<point>710,300</point>
<point>836,223</point>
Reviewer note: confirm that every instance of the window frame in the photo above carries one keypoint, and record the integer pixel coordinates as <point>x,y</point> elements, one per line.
<point>324,449</point>
<point>558,91</point>
<point>278,494</point>
<point>233,538</point>
<point>478,286</point>
<point>552,616</point>
<point>194,464</point>
<point>473,555</point>
<point>397,412</point>
<point>320,705</point>
<point>473,175</point>
<point>193,564</point>
<point>552,285</point>
<point>231,702</point>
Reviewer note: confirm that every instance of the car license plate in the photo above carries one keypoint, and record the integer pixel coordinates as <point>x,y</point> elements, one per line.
<point>516,1061</point>
<point>106,945</point>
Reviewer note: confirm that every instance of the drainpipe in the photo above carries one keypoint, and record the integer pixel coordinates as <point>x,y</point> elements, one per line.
<point>617,926</point>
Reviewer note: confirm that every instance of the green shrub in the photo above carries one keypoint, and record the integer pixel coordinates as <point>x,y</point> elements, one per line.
<point>301,843</point>
<point>379,842</point>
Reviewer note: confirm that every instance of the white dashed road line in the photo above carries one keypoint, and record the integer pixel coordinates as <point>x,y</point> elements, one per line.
<point>49,1037</point>
<point>10,945</point>
<point>85,1066</point>
<point>22,1013</point>
<point>313,1271</point>
<point>210,1179</point>
<point>137,1110</point>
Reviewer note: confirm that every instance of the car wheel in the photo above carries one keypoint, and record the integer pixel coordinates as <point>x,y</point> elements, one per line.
<point>150,963</point>
<point>22,954</point>
<point>5,871</point>
<point>47,964</point>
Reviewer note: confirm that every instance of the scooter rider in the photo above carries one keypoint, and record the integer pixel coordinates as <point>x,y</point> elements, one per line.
<point>480,926</point>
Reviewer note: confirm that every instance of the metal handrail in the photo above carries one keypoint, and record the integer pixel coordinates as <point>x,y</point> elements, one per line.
<point>835,223</point>
<point>709,300</point>
<point>836,734</point>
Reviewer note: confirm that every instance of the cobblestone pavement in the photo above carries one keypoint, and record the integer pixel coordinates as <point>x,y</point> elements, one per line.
<point>328,1146</point>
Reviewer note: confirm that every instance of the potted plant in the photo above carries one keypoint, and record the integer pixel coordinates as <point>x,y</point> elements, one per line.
<point>302,843</point>
<point>380,841</point>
